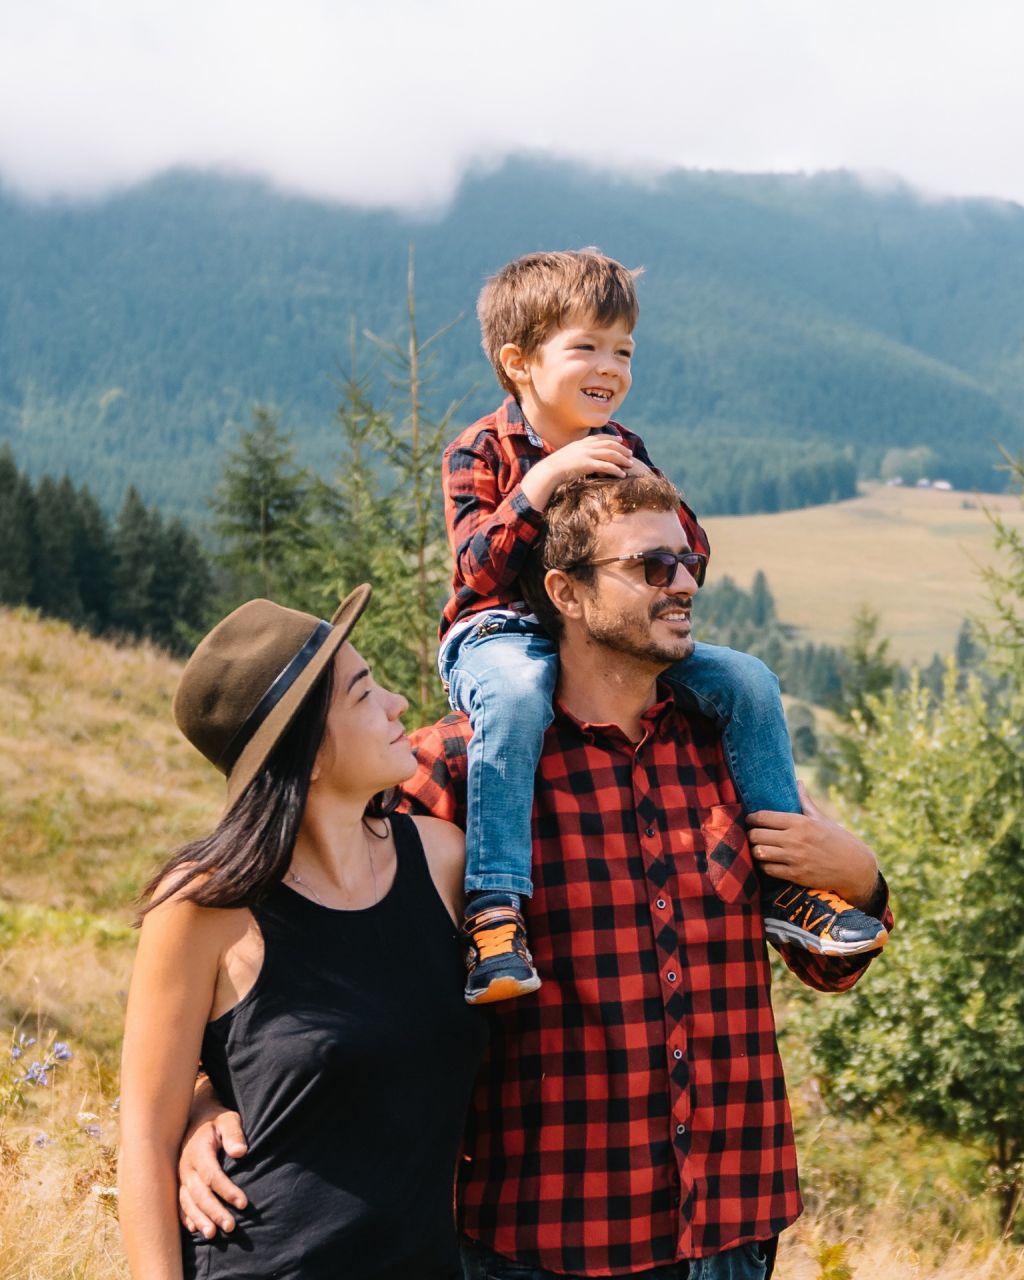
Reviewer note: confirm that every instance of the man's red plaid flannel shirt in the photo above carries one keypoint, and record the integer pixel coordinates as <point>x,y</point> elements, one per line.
<point>491,525</point>
<point>633,1111</point>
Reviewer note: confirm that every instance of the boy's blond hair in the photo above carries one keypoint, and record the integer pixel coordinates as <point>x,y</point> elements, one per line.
<point>534,295</point>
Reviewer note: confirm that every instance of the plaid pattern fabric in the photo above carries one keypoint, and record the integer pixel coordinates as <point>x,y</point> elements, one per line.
<point>491,525</point>
<point>633,1111</point>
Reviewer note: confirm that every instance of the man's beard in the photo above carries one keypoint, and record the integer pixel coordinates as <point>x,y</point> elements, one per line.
<point>633,637</point>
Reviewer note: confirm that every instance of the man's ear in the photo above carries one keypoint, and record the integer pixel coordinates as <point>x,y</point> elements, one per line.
<point>513,361</point>
<point>563,592</point>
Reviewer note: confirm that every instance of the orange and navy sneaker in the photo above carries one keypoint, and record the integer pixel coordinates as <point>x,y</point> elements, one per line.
<point>499,961</point>
<point>819,920</point>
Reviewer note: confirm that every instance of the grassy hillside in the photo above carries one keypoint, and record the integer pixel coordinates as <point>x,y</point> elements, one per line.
<point>95,786</point>
<point>134,329</point>
<point>912,554</point>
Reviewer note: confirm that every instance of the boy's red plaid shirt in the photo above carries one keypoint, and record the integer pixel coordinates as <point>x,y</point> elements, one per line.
<point>491,525</point>
<point>633,1111</point>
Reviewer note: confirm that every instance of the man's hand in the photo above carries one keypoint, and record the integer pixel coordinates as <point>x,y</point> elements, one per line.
<point>593,455</point>
<point>812,850</point>
<point>203,1186</point>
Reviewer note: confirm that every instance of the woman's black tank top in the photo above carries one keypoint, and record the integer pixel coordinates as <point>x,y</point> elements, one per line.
<point>351,1062</point>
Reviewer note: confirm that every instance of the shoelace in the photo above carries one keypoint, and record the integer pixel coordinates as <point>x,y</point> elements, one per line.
<point>494,941</point>
<point>830,899</point>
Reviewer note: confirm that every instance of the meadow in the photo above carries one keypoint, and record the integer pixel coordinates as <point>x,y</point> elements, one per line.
<point>910,554</point>
<point>95,787</point>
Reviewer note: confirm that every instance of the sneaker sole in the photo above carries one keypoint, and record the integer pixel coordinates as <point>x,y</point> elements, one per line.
<point>782,931</point>
<point>502,989</point>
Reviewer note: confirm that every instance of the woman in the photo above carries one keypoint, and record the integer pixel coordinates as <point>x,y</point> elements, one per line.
<point>305,953</point>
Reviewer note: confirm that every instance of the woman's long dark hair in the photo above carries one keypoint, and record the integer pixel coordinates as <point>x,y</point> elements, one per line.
<point>251,847</point>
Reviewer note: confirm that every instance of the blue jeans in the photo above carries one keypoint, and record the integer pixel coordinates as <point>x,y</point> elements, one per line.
<point>741,695</point>
<point>746,1262</point>
<point>502,672</point>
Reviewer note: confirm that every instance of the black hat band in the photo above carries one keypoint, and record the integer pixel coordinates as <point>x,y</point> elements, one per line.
<point>244,734</point>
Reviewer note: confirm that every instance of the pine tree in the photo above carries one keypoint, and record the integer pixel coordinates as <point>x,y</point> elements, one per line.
<point>261,510</point>
<point>968,651</point>
<point>351,528</point>
<point>762,605</point>
<point>866,669</point>
<point>54,586</point>
<point>412,577</point>
<point>180,590</point>
<point>135,544</point>
<point>936,1034</point>
<point>936,785</point>
<point>93,561</point>
<point>1003,629</point>
<point>17,531</point>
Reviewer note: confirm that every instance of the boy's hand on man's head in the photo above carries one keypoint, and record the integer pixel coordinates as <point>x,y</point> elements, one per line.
<point>593,455</point>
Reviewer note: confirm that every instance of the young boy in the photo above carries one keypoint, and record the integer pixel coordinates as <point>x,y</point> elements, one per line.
<point>557,327</point>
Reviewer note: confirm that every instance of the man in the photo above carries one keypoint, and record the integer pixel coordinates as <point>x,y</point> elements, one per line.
<point>631,1118</point>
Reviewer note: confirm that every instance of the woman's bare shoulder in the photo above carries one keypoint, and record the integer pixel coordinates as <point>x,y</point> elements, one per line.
<point>172,909</point>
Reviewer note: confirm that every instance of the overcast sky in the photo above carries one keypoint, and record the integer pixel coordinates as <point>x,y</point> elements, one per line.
<point>388,101</point>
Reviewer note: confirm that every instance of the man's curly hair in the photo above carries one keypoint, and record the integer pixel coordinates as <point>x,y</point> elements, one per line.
<point>569,539</point>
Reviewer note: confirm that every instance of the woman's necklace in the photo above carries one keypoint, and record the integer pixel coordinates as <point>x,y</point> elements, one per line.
<point>306,885</point>
<point>293,875</point>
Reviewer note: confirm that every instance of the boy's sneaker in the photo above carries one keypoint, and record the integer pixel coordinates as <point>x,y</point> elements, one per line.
<point>499,961</point>
<point>819,920</point>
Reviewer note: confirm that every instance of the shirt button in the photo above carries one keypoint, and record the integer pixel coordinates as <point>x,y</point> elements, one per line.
<point>649,831</point>
<point>660,904</point>
<point>680,1128</point>
<point>677,1053</point>
<point>671,975</point>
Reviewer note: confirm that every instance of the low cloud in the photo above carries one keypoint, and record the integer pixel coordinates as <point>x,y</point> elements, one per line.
<point>389,103</point>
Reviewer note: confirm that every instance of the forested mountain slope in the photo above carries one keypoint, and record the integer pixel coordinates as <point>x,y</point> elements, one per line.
<point>136,331</point>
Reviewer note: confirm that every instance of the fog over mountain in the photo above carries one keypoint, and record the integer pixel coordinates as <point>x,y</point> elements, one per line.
<point>391,103</point>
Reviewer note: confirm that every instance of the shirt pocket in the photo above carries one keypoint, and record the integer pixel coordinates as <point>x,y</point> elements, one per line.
<point>728,862</point>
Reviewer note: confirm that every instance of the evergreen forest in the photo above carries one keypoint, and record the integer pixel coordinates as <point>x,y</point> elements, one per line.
<point>141,575</point>
<point>796,331</point>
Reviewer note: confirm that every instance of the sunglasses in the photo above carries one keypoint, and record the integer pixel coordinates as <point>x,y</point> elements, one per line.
<point>660,567</point>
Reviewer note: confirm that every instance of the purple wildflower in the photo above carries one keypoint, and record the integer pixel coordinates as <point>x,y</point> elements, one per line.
<point>23,1042</point>
<point>38,1073</point>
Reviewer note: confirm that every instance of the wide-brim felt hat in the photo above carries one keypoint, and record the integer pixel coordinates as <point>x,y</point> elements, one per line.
<point>247,679</point>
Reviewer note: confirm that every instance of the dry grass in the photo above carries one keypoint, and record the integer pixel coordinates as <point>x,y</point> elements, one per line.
<point>96,784</point>
<point>96,787</point>
<point>889,1244</point>
<point>912,554</point>
<point>57,1161</point>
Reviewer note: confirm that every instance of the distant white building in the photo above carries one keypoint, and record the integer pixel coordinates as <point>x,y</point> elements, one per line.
<point>942,484</point>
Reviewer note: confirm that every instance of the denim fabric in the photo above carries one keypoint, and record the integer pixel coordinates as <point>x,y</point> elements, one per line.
<point>501,672</point>
<point>741,695</point>
<point>746,1262</point>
